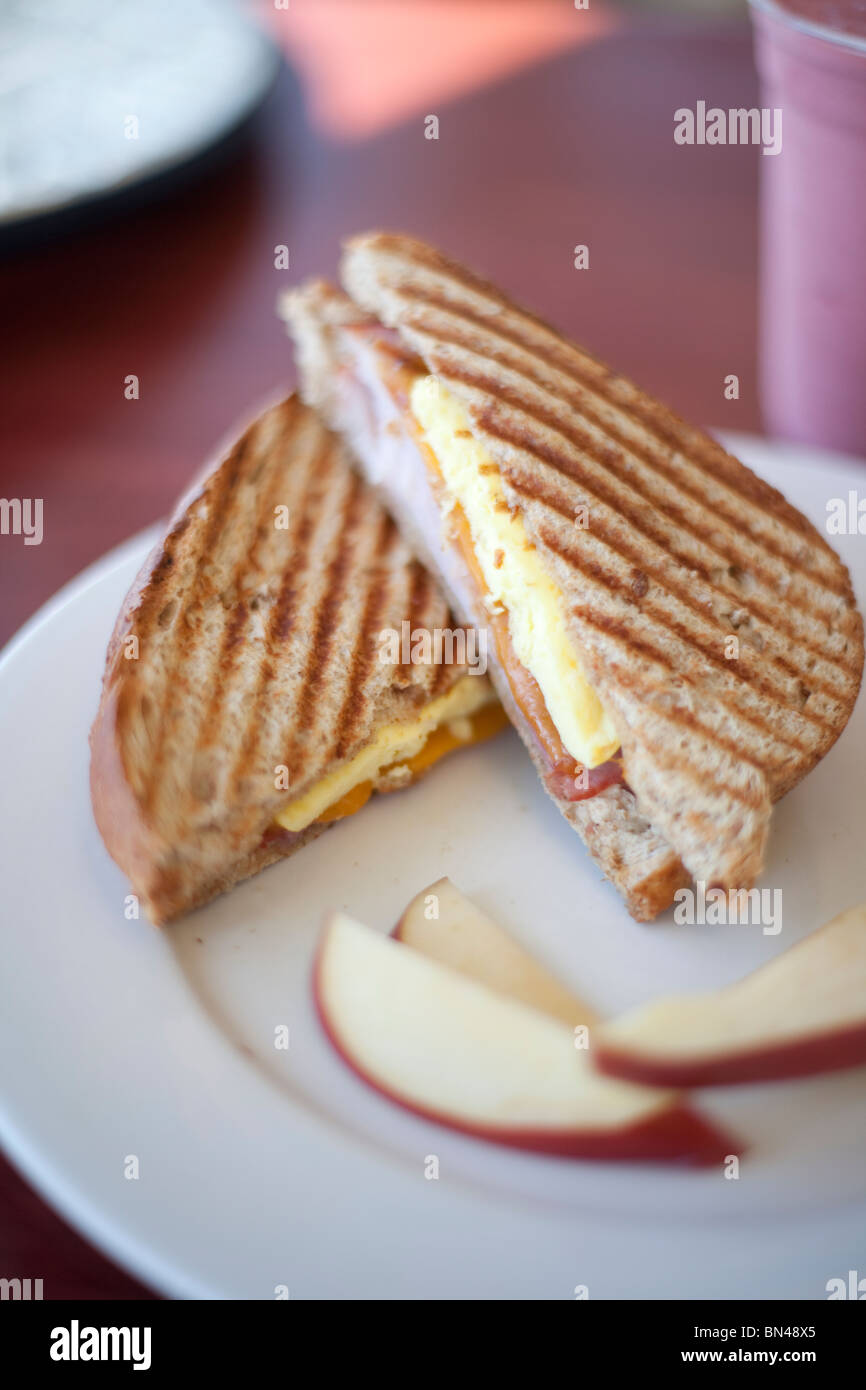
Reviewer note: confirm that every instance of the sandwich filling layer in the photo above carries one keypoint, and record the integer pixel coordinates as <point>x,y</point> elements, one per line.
<point>513,575</point>
<point>399,753</point>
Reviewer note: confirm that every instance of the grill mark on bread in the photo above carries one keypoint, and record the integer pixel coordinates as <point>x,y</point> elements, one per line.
<point>418,599</point>
<point>549,416</point>
<point>748,794</point>
<point>775,690</point>
<point>644,524</point>
<point>427,257</point>
<point>264,455</point>
<point>277,489</point>
<point>323,621</point>
<point>666,427</point>
<point>597,573</point>
<point>363,654</point>
<point>283,614</point>
<point>265,447</point>
<point>440,680</point>
<point>665,752</point>
<point>217,491</point>
<point>777,615</point>
<point>782,640</point>
<point>429,611</point>
<point>253,561</point>
<point>517,436</point>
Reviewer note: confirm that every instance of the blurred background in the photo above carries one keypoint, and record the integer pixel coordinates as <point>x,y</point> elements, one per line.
<point>167,167</point>
<point>155,156</point>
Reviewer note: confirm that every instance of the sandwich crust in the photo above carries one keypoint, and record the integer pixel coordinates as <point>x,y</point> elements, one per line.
<point>714,621</point>
<point>249,642</point>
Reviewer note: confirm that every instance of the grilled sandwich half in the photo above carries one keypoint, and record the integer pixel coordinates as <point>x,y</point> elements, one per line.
<point>675,643</point>
<point>249,700</point>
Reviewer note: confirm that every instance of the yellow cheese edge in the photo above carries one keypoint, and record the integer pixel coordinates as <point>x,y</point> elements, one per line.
<point>514,574</point>
<point>393,744</point>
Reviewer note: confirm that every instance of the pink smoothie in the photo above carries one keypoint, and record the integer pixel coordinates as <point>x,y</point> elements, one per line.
<point>812,59</point>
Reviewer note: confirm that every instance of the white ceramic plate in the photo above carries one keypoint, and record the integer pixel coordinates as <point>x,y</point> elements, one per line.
<point>96,96</point>
<point>260,1168</point>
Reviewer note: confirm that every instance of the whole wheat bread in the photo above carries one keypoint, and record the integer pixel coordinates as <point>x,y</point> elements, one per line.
<point>245,646</point>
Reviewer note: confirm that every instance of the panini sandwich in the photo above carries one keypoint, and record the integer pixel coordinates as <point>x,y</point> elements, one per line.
<point>675,643</point>
<point>249,700</point>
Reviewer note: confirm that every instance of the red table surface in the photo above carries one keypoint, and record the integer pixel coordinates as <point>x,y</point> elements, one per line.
<point>577,149</point>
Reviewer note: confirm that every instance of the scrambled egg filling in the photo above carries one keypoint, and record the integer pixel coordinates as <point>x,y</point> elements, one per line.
<point>514,575</point>
<point>394,745</point>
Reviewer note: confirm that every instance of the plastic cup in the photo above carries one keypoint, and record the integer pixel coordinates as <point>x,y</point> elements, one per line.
<point>813,225</point>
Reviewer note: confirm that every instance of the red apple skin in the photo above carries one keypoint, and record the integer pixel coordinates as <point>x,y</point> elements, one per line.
<point>840,1050</point>
<point>676,1134</point>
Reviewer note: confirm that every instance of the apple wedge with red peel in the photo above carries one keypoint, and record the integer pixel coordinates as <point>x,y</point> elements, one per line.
<point>464,937</point>
<point>800,1014</point>
<point>450,1049</point>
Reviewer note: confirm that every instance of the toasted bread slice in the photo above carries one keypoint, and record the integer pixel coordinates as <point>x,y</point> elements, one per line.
<point>324,323</point>
<point>685,550</point>
<point>245,666</point>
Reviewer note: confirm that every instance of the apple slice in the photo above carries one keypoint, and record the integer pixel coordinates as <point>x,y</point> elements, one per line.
<point>801,1014</point>
<point>450,1049</point>
<point>465,938</point>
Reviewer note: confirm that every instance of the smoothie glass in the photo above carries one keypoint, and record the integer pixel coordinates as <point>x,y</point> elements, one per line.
<point>811,56</point>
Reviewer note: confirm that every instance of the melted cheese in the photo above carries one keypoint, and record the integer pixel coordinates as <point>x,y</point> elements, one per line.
<point>514,575</point>
<point>393,745</point>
